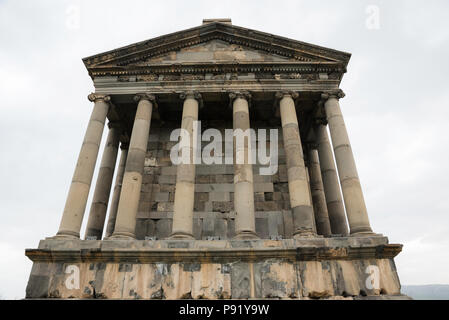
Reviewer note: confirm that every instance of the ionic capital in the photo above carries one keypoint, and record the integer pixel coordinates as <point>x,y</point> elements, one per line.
<point>239,95</point>
<point>336,94</point>
<point>95,97</point>
<point>190,95</point>
<point>145,96</point>
<point>281,94</point>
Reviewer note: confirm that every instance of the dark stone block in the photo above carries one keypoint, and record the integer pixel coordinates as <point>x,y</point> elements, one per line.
<point>192,267</point>
<point>240,281</point>
<point>226,268</point>
<point>178,244</point>
<point>125,267</point>
<point>37,286</point>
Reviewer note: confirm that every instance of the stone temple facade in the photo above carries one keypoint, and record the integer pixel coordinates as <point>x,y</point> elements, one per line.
<point>156,230</point>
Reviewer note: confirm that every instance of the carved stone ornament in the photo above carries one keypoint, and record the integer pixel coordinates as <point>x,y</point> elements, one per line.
<point>239,94</point>
<point>337,94</point>
<point>190,94</point>
<point>94,97</point>
<point>280,94</point>
<point>146,96</point>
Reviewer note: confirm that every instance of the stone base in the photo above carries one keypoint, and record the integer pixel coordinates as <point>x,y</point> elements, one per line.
<point>309,268</point>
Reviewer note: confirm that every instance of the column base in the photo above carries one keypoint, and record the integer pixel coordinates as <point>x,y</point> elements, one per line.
<point>181,236</point>
<point>305,234</point>
<point>246,235</point>
<point>366,234</point>
<point>66,235</point>
<point>122,236</point>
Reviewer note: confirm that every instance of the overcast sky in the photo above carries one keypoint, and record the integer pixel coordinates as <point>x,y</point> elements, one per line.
<point>396,108</point>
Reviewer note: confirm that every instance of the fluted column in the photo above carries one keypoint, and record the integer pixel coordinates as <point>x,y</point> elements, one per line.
<point>185,172</point>
<point>303,219</point>
<point>97,215</point>
<point>347,171</point>
<point>117,189</point>
<point>79,189</point>
<point>318,199</point>
<point>245,221</point>
<point>336,210</point>
<point>132,180</point>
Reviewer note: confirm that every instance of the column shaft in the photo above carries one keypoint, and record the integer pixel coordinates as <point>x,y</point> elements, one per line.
<point>336,210</point>
<point>303,219</point>
<point>79,189</point>
<point>97,215</point>
<point>116,193</point>
<point>185,174</point>
<point>132,180</point>
<point>349,179</point>
<point>318,199</point>
<point>245,222</point>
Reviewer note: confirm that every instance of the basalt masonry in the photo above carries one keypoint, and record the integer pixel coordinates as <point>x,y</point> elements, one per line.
<point>226,224</point>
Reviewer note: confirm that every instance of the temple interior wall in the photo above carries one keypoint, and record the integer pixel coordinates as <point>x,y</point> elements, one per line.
<point>214,190</point>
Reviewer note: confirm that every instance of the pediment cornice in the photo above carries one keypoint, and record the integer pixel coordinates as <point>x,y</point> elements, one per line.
<point>303,56</point>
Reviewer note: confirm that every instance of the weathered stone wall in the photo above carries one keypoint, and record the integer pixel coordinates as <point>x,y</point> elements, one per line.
<point>214,192</point>
<point>289,269</point>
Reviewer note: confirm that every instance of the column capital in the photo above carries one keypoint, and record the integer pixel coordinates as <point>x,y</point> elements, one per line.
<point>94,97</point>
<point>281,94</point>
<point>190,95</point>
<point>145,96</point>
<point>240,95</point>
<point>337,94</point>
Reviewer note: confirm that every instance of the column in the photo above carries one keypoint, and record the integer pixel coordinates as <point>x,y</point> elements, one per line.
<point>102,191</point>
<point>303,219</point>
<point>132,180</point>
<point>185,172</point>
<point>245,222</point>
<point>318,199</point>
<point>332,192</point>
<point>347,171</point>
<point>117,190</point>
<point>82,177</point>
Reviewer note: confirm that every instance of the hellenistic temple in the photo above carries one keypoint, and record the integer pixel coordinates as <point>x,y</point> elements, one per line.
<point>294,228</point>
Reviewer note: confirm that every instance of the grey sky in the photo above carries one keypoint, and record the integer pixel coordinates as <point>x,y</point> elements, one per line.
<point>396,108</point>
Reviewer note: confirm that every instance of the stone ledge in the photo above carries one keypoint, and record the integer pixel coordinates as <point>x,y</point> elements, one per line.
<point>173,251</point>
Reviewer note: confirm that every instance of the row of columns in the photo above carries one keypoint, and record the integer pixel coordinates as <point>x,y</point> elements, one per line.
<point>315,210</point>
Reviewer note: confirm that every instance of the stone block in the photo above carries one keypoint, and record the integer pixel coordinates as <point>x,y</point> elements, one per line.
<point>163,228</point>
<point>263,187</point>
<point>169,171</point>
<point>163,179</point>
<point>165,206</point>
<point>202,196</point>
<point>219,196</point>
<point>161,196</point>
<point>259,197</point>
<point>262,228</point>
<point>218,206</point>
<point>240,281</point>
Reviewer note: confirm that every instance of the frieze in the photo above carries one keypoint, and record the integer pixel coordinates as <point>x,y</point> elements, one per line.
<point>147,77</point>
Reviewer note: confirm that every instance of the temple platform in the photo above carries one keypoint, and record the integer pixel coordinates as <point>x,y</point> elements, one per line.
<point>306,268</point>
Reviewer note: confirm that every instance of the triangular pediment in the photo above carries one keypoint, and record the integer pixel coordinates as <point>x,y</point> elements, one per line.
<point>215,51</point>
<point>216,43</point>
